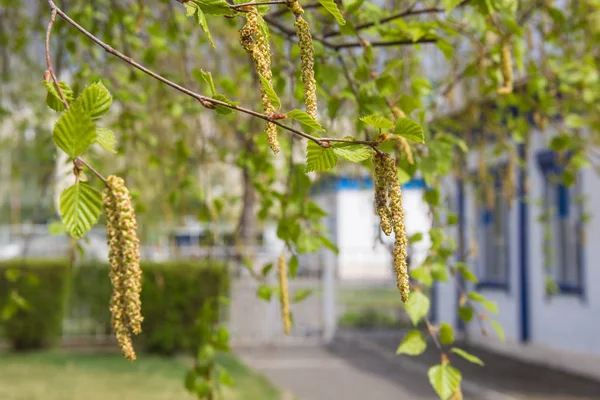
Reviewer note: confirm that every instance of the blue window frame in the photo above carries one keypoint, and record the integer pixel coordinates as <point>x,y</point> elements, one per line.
<point>493,233</point>
<point>563,238</point>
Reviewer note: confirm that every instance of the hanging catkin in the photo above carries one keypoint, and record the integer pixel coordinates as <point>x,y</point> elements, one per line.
<point>257,45</point>
<point>307,57</point>
<point>284,296</point>
<point>124,259</point>
<point>397,214</point>
<point>506,67</point>
<point>381,196</point>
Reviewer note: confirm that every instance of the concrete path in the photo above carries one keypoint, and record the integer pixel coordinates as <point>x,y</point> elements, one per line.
<point>366,368</point>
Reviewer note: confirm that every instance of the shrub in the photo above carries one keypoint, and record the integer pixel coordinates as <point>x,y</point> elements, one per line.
<point>36,320</point>
<point>173,295</point>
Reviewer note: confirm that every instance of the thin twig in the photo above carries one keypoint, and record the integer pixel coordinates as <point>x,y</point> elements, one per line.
<point>257,3</point>
<point>282,11</point>
<point>60,92</point>
<point>406,42</point>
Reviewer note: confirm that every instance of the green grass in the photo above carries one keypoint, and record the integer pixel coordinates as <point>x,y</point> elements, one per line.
<point>384,297</point>
<point>91,376</point>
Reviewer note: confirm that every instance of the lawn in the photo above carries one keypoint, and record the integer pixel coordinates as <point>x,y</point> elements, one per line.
<point>58,375</point>
<point>366,297</point>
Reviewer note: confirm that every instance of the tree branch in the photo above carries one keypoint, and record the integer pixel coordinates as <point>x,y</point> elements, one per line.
<point>204,100</point>
<point>383,43</point>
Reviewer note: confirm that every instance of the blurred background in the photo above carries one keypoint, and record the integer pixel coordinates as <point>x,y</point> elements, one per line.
<point>512,280</point>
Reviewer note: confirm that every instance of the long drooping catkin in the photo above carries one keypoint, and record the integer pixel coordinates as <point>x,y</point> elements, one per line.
<point>307,57</point>
<point>257,45</point>
<point>397,214</point>
<point>506,67</point>
<point>124,257</point>
<point>284,296</point>
<point>381,197</point>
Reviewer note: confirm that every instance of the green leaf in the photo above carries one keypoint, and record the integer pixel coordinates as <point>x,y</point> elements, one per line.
<point>445,380</point>
<point>351,151</point>
<point>439,272</point>
<point>330,6</point>
<point>466,313</point>
<point>222,110</point>
<point>75,131</point>
<point>417,306</point>
<point>264,292</point>
<point>497,328</point>
<point>214,7</point>
<point>192,10</point>
<point>409,129</point>
<point>446,334</point>
<point>56,228</point>
<point>319,158</point>
<point>266,269</point>
<point>264,28</point>
<point>329,244</point>
<point>95,99</point>
<point>413,344</point>
<point>423,275</point>
<point>377,122</point>
<point>574,121</point>
<point>409,103</point>
<point>80,206</point>
<point>106,138</point>
<point>53,99</point>
<point>467,273</point>
<point>301,294</point>
<point>305,119</point>
<point>449,5</point>
<point>491,306</point>
<point>467,356</point>
<point>207,77</point>
<point>293,266</point>
<point>270,92</point>
<point>446,48</point>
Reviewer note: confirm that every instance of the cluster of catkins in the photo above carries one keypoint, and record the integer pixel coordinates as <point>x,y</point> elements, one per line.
<point>124,258</point>
<point>307,57</point>
<point>387,187</point>
<point>257,45</point>
<point>284,297</point>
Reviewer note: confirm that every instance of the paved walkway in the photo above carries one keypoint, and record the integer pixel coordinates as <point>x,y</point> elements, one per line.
<point>366,368</point>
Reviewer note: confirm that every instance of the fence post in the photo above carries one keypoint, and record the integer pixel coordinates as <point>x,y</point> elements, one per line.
<point>329,261</point>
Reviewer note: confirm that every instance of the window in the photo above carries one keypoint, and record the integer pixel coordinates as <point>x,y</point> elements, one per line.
<point>493,235</point>
<point>563,226</point>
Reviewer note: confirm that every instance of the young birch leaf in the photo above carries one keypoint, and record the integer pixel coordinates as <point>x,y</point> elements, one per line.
<point>491,306</point>
<point>423,275</point>
<point>446,334</point>
<point>377,122</point>
<point>53,99</point>
<point>301,294</point>
<point>413,344</point>
<point>417,306</point>
<point>445,380</point>
<point>409,129</point>
<point>467,356</point>
<point>95,99</point>
<point>207,76</point>
<point>80,205</point>
<point>264,28</point>
<point>466,313</point>
<point>214,7</point>
<point>195,11</point>
<point>266,86</point>
<point>449,5</point>
<point>106,138</point>
<point>497,328</point>
<point>319,158</point>
<point>351,151</point>
<point>305,119</point>
<point>333,9</point>
<point>75,131</point>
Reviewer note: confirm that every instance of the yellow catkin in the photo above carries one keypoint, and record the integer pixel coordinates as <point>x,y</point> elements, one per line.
<point>284,296</point>
<point>397,214</point>
<point>381,197</point>
<point>506,67</point>
<point>405,146</point>
<point>124,259</point>
<point>257,45</point>
<point>307,57</point>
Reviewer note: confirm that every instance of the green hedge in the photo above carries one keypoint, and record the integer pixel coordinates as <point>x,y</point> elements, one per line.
<point>173,294</point>
<point>32,299</point>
